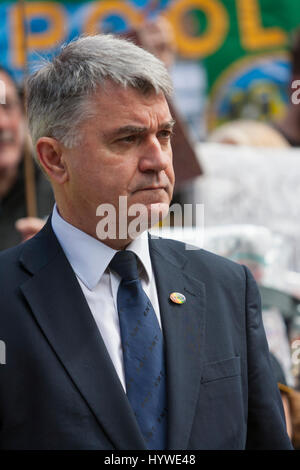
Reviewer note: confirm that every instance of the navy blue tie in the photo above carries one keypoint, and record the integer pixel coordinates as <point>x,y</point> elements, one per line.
<point>142,344</point>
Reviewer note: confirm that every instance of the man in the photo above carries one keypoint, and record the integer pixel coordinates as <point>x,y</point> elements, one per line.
<point>12,185</point>
<point>97,354</point>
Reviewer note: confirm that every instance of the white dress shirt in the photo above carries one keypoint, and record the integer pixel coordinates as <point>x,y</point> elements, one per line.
<point>89,259</point>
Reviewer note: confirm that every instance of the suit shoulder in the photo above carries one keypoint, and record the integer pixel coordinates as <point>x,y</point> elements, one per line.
<point>202,259</point>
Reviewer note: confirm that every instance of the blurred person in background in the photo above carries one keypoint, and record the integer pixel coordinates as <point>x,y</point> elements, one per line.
<point>157,37</point>
<point>14,225</point>
<point>188,76</point>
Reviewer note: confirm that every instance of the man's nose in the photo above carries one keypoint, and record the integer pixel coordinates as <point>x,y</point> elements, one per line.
<point>155,157</point>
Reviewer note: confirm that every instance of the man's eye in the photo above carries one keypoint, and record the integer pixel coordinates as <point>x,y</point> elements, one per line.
<point>128,139</point>
<point>165,134</point>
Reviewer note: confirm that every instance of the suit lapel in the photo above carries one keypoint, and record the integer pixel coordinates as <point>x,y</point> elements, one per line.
<point>60,308</point>
<point>183,329</point>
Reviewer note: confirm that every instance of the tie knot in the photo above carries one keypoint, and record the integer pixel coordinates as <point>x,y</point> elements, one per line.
<point>124,263</point>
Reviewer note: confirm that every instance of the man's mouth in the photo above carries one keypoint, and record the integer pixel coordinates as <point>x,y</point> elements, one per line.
<point>151,188</point>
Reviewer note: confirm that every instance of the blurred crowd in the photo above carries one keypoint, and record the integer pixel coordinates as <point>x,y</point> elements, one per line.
<point>17,223</point>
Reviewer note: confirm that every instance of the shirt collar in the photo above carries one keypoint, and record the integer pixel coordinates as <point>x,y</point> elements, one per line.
<point>90,257</point>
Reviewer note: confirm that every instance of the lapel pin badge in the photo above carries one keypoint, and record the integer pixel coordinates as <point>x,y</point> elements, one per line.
<point>177,298</point>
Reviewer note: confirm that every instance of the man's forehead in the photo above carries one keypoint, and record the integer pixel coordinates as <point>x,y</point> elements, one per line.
<point>111,87</point>
<point>119,107</point>
<point>116,94</point>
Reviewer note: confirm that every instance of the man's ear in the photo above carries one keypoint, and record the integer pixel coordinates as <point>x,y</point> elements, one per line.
<point>50,154</point>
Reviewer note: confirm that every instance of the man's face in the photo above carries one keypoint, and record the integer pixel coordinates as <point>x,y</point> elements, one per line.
<point>11,125</point>
<point>125,150</point>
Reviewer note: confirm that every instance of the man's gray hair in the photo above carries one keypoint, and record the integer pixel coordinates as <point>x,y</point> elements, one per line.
<point>59,94</point>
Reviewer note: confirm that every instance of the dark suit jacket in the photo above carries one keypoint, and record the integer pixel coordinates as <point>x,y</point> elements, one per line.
<point>59,389</point>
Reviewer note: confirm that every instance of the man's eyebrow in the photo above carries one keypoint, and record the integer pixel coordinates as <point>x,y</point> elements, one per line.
<point>130,129</point>
<point>168,125</point>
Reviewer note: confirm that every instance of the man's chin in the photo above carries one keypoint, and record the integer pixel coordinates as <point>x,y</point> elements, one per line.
<point>143,217</point>
<point>157,212</point>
